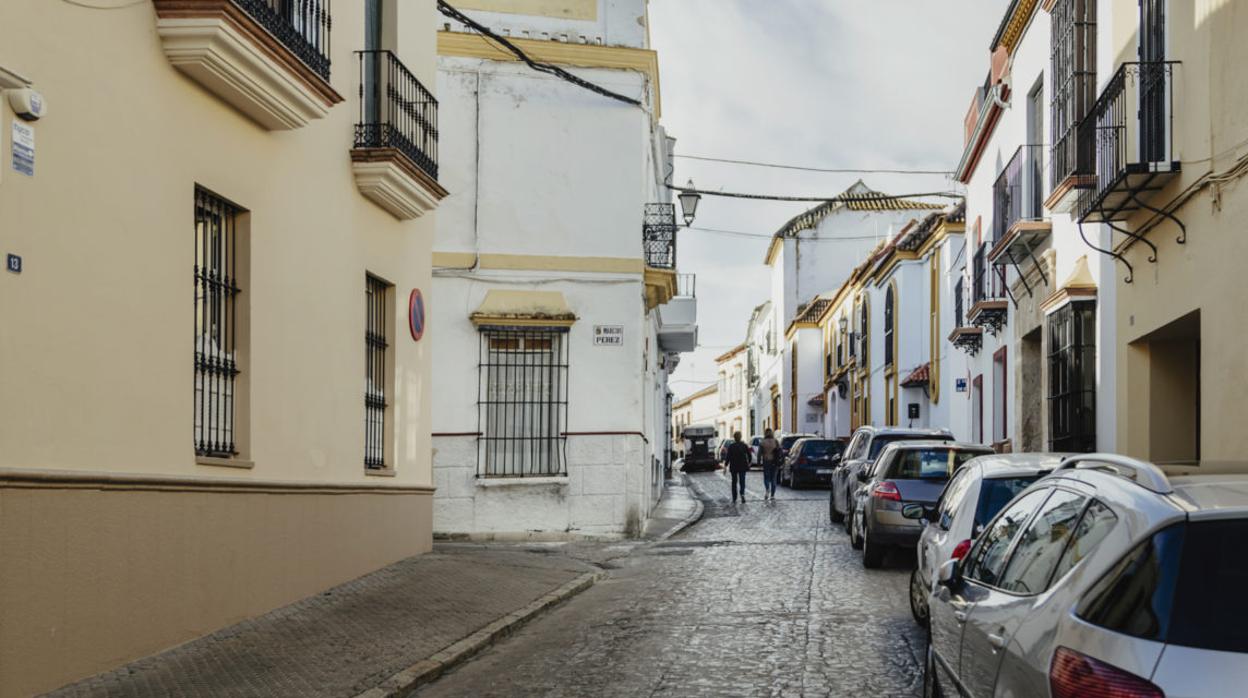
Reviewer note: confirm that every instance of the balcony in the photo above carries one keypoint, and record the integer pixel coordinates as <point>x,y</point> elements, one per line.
<point>1018,223</point>
<point>964,336</point>
<point>267,58</point>
<point>678,318</point>
<point>989,308</point>
<point>395,158</point>
<point>658,234</point>
<point>1130,129</point>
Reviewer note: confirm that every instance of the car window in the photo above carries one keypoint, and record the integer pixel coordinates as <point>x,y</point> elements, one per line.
<point>927,463</point>
<point>880,442</point>
<point>1040,546</point>
<point>995,493</point>
<point>988,556</point>
<point>855,446</point>
<point>821,449</point>
<point>952,498</point>
<point>1134,597</point>
<point>1093,527</point>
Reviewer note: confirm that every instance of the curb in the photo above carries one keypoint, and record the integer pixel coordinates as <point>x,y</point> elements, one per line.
<point>691,519</point>
<point>408,680</point>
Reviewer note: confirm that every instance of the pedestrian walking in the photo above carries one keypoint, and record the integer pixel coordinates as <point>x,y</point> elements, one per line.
<point>769,456</point>
<point>738,458</point>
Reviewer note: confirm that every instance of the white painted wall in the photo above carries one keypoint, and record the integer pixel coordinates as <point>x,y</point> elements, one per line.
<point>616,23</point>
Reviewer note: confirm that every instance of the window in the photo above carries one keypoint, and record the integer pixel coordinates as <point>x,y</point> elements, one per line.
<point>928,463</point>
<point>1000,383</point>
<point>934,333</point>
<point>952,498</point>
<point>995,493</point>
<point>988,557</point>
<point>523,401</point>
<point>864,328</point>
<point>376,351</point>
<point>1073,60</point>
<point>219,324</point>
<point>1072,378</point>
<point>1093,527</point>
<point>1135,596</point>
<point>889,326</point>
<point>1039,548</point>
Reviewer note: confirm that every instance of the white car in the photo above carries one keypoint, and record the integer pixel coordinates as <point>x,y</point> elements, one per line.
<point>977,491</point>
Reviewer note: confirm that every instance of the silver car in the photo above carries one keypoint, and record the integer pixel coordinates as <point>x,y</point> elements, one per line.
<point>863,448</point>
<point>1105,578</point>
<point>973,496</point>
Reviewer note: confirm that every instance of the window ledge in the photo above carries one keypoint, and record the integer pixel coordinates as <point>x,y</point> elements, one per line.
<point>225,462</point>
<point>558,481</point>
<point>380,472</point>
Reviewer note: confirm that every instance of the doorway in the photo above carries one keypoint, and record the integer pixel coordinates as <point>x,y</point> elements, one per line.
<point>1171,364</point>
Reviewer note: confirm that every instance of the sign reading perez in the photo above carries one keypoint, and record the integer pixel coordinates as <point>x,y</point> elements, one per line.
<point>609,335</point>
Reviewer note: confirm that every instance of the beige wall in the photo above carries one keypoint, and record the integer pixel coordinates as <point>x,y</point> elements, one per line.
<point>1206,273</point>
<point>96,347</point>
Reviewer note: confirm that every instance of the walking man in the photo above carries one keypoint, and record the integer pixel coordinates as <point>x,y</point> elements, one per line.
<point>738,465</point>
<point>769,456</point>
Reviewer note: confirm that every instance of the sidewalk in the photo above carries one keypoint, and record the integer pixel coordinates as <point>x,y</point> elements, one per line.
<point>389,631</point>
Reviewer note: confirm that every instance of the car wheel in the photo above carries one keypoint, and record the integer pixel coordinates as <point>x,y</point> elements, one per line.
<point>918,600</point>
<point>855,540</point>
<point>794,483</point>
<point>849,520</point>
<point>834,515</point>
<point>872,553</point>
<point>931,680</point>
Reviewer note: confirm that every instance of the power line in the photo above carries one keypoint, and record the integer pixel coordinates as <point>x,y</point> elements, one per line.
<point>742,233</point>
<point>547,68</point>
<point>838,199</point>
<point>835,170</point>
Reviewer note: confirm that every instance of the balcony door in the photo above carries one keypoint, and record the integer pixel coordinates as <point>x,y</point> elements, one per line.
<point>371,63</point>
<point>1153,83</point>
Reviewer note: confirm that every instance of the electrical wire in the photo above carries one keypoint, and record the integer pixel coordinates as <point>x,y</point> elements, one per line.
<point>766,236</point>
<point>844,170</point>
<point>839,198</point>
<point>547,68</point>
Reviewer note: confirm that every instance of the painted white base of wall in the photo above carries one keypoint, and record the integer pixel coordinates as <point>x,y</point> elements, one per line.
<point>607,493</point>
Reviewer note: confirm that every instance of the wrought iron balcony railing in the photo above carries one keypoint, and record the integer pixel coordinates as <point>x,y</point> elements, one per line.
<point>658,234</point>
<point>300,25</point>
<point>396,111</point>
<point>1131,129</point>
<point>984,279</point>
<point>1017,195</point>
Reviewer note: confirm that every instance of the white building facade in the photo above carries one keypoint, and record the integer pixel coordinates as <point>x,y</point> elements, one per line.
<point>734,392</point>
<point>556,312</point>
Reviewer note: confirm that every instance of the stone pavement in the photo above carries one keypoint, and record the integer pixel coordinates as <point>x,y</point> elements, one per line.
<point>400,625</point>
<point>760,599</point>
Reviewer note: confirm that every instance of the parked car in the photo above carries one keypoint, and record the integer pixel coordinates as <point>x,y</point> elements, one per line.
<point>906,472</point>
<point>974,495</point>
<point>755,442</point>
<point>863,447</point>
<point>787,441</point>
<point>811,462</point>
<point>1108,577</point>
<point>700,452</point>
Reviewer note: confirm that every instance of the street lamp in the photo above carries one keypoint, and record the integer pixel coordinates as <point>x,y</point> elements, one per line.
<point>689,199</point>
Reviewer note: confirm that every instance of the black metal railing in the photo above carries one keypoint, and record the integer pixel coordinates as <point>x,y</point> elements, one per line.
<point>1130,124</point>
<point>686,285</point>
<point>658,234</point>
<point>1016,195</point>
<point>1074,88</point>
<point>216,324</point>
<point>396,111</point>
<point>375,348</point>
<point>985,278</point>
<point>300,25</point>
<point>959,300</point>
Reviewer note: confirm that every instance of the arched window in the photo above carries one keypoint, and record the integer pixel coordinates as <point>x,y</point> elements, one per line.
<point>889,328</point>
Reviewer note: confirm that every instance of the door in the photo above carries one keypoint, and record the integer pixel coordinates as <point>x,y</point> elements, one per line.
<point>1153,124</point>
<point>372,62</point>
<point>1002,606</point>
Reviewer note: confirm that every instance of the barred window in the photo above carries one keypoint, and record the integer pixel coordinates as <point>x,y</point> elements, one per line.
<point>216,325</point>
<point>1072,378</point>
<point>1073,57</point>
<point>523,401</point>
<point>890,328</point>
<point>376,348</point>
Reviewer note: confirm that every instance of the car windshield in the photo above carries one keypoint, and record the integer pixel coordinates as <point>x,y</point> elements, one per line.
<point>822,449</point>
<point>995,493</point>
<point>928,463</point>
<point>879,442</point>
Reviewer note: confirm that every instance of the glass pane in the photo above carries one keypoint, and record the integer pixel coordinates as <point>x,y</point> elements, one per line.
<point>1210,605</point>
<point>928,464</point>
<point>1135,597</point>
<point>994,494</point>
<point>1093,527</point>
<point>988,556</point>
<point>1040,546</point>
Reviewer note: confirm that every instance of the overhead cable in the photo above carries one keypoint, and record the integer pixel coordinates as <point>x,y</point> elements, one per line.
<point>840,170</point>
<point>547,68</point>
<point>839,198</point>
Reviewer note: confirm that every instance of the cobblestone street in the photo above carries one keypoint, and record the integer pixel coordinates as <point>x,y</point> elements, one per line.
<point>765,598</point>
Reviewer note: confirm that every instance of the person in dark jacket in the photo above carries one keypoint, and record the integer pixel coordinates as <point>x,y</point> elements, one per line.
<point>738,465</point>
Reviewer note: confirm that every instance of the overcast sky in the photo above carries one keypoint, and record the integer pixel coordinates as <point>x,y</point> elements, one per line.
<point>875,84</point>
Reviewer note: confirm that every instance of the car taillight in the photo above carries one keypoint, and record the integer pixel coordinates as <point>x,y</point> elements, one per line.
<point>886,490</point>
<point>960,550</point>
<point>1075,675</point>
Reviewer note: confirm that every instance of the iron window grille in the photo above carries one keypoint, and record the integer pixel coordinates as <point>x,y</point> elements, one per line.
<point>864,326</point>
<point>216,324</point>
<point>658,234</point>
<point>396,111</point>
<point>988,280</point>
<point>1073,59</point>
<point>376,347</point>
<point>1072,378</point>
<point>302,26</point>
<point>959,296</point>
<point>889,302</point>
<point>523,401</point>
<point>1016,194</point>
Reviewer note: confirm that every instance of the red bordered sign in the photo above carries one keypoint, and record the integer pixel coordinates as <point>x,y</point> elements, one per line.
<point>416,314</point>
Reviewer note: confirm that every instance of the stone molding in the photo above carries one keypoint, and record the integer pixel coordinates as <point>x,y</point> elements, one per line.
<point>384,176</point>
<point>29,478</point>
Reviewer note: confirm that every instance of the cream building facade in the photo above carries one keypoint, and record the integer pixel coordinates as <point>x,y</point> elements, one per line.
<point>213,402</point>
<point>555,284</point>
<point>734,392</point>
<point>700,408</point>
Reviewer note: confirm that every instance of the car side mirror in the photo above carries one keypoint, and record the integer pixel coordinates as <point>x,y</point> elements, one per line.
<point>914,511</point>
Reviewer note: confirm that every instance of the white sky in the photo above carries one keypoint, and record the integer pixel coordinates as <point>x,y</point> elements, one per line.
<point>820,83</point>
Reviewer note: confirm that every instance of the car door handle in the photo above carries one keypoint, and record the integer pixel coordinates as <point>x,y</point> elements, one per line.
<point>959,616</point>
<point>997,641</point>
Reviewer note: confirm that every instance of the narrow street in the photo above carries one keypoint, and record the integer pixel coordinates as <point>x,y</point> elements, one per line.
<point>765,598</point>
